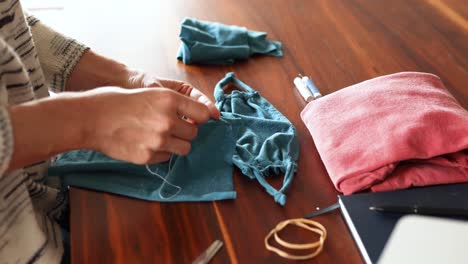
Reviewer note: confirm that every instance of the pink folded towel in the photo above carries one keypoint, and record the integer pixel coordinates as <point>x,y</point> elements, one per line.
<point>390,132</point>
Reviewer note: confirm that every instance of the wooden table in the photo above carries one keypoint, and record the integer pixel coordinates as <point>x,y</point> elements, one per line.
<point>337,43</point>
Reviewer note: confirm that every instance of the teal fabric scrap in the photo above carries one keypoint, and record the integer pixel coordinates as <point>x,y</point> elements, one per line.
<point>204,175</point>
<point>267,143</point>
<point>206,42</point>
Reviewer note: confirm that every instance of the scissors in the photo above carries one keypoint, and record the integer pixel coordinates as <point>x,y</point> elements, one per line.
<point>209,253</point>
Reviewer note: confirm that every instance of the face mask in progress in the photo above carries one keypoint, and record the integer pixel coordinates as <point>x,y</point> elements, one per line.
<point>267,141</point>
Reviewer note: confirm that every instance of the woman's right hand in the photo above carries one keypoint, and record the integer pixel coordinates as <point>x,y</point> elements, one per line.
<point>142,125</point>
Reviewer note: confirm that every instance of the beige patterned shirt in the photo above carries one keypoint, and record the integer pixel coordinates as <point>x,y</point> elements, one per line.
<point>33,59</point>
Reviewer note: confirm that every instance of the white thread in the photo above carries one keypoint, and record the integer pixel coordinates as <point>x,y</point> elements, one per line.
<point>165,181</point>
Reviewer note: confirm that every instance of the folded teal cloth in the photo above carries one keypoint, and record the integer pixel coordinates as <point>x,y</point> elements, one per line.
<point>215,43</point>
<point>203,175</point>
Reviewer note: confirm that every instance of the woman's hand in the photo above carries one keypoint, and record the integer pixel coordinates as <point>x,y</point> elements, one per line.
<point>93,71</point>
<point>142,125</point>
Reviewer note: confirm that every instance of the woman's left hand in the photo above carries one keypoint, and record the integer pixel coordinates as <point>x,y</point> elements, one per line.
<point>138,79</point>
<point>94,70</point>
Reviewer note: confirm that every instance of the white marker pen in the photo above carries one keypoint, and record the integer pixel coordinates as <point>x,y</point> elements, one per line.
<point>306,94</point>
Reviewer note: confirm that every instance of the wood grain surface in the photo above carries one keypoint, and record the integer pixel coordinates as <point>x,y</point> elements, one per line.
<point>337,43</point>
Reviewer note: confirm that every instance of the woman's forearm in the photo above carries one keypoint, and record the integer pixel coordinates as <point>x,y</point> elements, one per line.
<point>46,127</point>
<point>94,70</point>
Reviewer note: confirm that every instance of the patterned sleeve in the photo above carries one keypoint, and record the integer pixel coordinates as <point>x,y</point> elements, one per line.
<point>57,53</point>
<point>7,63</point>
<point>6,139</point>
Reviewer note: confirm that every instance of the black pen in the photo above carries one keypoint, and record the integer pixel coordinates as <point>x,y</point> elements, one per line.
<point>423,210</point>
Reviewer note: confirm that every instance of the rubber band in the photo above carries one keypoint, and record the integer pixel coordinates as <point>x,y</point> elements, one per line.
<point>310,225</point>
<point>165,181</point>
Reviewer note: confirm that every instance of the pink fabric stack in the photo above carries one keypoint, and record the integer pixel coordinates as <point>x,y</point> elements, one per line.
<point>389,133</point>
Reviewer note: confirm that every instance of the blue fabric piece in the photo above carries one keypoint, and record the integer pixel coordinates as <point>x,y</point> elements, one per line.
<point>267,142</point>
<point>215,43</point>
<point>204,175</point>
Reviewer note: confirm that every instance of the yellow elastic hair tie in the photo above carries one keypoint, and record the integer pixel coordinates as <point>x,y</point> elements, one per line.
<point>304,223</point>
